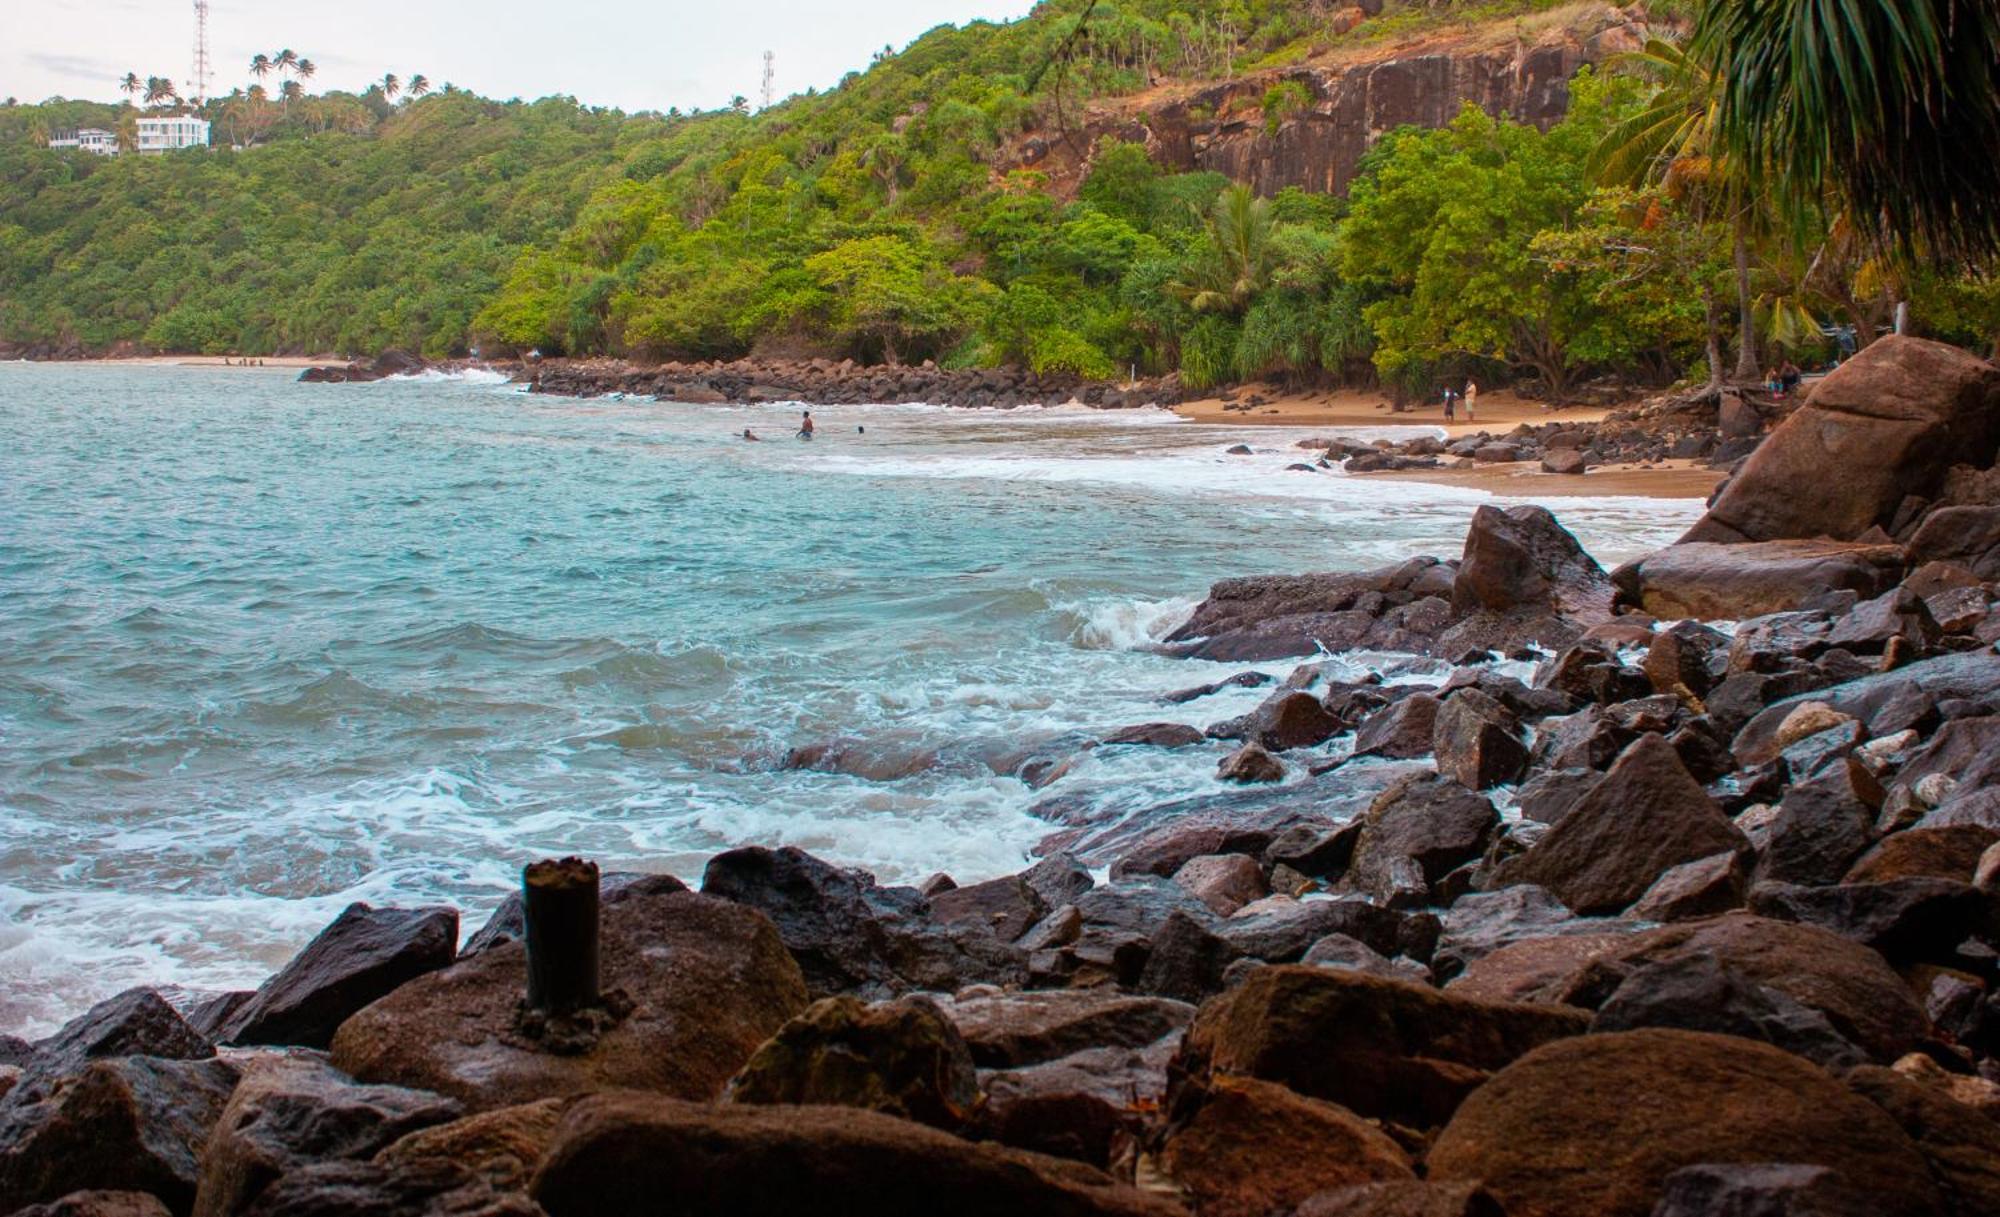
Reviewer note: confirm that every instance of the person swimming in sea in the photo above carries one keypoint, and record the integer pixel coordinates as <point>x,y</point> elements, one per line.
<point>747,434</point>
<point>806,425</point>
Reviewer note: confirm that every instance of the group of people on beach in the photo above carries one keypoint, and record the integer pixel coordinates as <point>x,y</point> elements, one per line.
<point>1469,397</point>
<point>1783,380</point>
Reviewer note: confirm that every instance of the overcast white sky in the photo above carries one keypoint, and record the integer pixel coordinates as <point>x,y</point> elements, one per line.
<point>632,54</point>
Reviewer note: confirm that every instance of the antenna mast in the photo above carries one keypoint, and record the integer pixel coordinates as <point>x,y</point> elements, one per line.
<point>770,76</point>
<point>204,74</point>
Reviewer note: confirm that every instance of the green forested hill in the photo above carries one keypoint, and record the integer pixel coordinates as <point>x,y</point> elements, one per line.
<point>888,219</point>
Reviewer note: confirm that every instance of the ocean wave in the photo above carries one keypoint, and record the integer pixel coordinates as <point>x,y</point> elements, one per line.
<point>1130,624</point>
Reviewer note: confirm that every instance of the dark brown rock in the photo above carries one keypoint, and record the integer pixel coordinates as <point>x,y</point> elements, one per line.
<point>1708,1098</point>
<point>709,981</point>
<point>1477,741</point>
<point>1889,424</point>
<point>1433,822</point>
<point>1401,730</point>
<point>1157,735</point>
<point>1223,882</point>
<point>618,1154</point>
<point>1935,853</point>
<point>129,1123</point>
<point>1006,906</point>
<point>1820,829</point>
<point>1384,1049</point>
<point>98,1204</point>
<point>1644,818</point>
<point>1407,1198</point>
<point>1008,1030</point>
<point>903,1058</point>
<point>1778,1188</point>
<point>1250,763</point>
<point>1521,559</point>
<point>1701,992</point>
<point>1961,1145</point>
<point>1734,582</point>
<point>288,1112</point>
<point>365,954</point>
<point>1906,920</point>
<point>1968,536</point>
<point>1701,888</point>
<point>137,1022</point>
<point>1242,1147</point>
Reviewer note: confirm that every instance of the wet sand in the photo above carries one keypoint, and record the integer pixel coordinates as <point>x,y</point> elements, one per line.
<point>1497,412</point>
<point>1525,480</point>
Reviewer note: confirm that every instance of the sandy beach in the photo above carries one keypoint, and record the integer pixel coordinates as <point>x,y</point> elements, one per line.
<point>218,361</point>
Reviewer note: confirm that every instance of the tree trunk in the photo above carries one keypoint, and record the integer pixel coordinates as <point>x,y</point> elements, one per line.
<point>1746,357</point>
<point>1712,324</point>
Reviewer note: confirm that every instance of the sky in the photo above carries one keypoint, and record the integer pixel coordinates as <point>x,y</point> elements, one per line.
<point>632,54</point>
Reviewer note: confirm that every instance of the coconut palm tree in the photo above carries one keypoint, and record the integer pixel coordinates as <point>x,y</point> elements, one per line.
<point>287,60</point>
<point>290,92</point>
<point>1237,264</point>
<point>391,85</point>
<point>420,84</point>
<point>160,91</point>
<point>306,69</point>
<point>260,65</point>
<point>1893,105</point>
<point>131,84</point>
<point>1674,142</point>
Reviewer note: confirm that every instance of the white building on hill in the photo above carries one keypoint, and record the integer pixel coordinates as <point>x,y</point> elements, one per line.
<point>172,134</point>
<point>90,139</point>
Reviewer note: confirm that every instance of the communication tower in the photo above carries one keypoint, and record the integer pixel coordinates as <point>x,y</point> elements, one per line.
<point>204,73</point>
<point>770,76</point>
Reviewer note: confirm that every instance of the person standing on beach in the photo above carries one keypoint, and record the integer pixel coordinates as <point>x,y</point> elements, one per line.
<point>1471,400</point>
<point>1450,404</point>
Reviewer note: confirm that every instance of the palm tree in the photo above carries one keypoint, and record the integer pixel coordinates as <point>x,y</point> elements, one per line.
<point>1894,105</point>
<point>130,84</point>
<point>260,65</point>
<point>287,60</point>
<point>1237,264</point>
<point>306,69</point>
<point>420,84</point>
<point>1674,142</point>
<point>391,86</point>
<point>159,91</point>
<point>290,92</point>
<point>128,131</point>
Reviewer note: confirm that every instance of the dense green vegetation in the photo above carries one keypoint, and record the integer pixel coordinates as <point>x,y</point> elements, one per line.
<point>880,220</point>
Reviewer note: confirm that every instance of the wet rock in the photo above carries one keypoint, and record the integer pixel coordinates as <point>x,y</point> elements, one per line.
<point>1408,1198</point>
<point>98,1204</point>
<point>1968,536</point>
<point>1685,655</point>
<point>1433,822</point>
<point>1402,730</point>
<point>288,1112</point>
<point>1223,882</point>
<point>1291,720</point>
<point>1736,582</point>
<point>137,1022</point>
<point>821,912</point>
<point>1476,741</point>
<point>708,982</point>
<point>1010,1030</point>
<point>1483,922</point>
<point>1548,795</point>
<point>1383,1049</point>
<point>125,1123</point>
<point>1341,951</point>
<point>1007,907</point>
<point>365,954</point>
<point>1777,1188</point>
<point>1935,853</point>
<point>617,1154</point>
<point>1820,829</point>
<point>1699,992</point>
<point>1242,680</point>
<point>1091,1105</point>
<point>1569,461</point>
<point>1250,763</point>
<point>1644,818</point>
<point>1701,888</point>
<point>1709,1098</point>
<point>1241,1147</point>
<point>1157,735</point>
<point>903,1058</point>
<point>1186,961</point>
<point>1870,626</point>
<point>1058,879</point>
<point>1906,920</point>
<point>1961,1146</point>
<point>1521,559</point>
<point>1891,422</point>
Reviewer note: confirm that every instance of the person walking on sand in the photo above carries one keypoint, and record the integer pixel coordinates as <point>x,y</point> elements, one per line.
<point>806,425</point>
<point>1471,401</point>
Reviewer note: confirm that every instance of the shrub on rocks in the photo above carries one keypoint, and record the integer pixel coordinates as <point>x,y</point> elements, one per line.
<point>1559,1132</point>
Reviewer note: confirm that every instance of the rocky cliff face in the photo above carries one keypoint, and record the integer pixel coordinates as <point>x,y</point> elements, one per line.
<point>1356,99</point>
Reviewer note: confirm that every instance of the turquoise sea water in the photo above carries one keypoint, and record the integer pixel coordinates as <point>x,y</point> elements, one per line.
<point>266,648</point>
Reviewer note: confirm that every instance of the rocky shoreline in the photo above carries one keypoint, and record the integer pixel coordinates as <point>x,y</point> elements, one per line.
<point>1660,892</point>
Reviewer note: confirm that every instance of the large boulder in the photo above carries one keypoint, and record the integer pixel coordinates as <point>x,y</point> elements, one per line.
<point>137,1022</point>
<point>1966,535</point>
<point>1646,817</point>
<point>903,1058</point>
<point>1417,832</point>
<point>288,1112</point>
<point>1962,1146</point>
<point>365,954</point>
<point>1252,1147</point>
<point>1594,1126</point>
<point>1477,741</point>
<point>123,1123</point>
<point>1382,1048</point>
<point>624,1155</point>
<point>708,982</point>
<point>1888,425</point>
<point>1718,582</point>
<point>1521,560</point>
